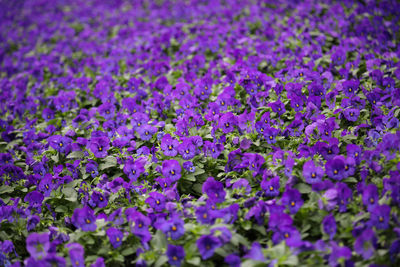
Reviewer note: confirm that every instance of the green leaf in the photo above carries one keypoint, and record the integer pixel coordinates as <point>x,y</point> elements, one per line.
<point>70,194</point>
<point>6,189</point>
<point>162,260</point>
<point>195,261</point>
<point>75,155</point>
<point>159,240</point>
<point>303,188</point>
<point>108,163</point>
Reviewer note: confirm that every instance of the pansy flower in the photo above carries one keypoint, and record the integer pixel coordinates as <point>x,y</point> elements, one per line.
<point>380,216</point>
<point>366,243</point>
<point>291,198</point>
<point>350,87</point>
<point>187,149</point>
<point>227,122</point>
<point>139,225</point>
<point>351,114</point>
<point>133,169</point>
<point>271,187</point>
<point>171,169</point>
<point>207,244</point>
<point>169,145</point>
<point>212,149</point>
<point>335,168</point>
<point>370,196</point>
<point>60,143</point>
<point>76,254</point>
<point>175,255</point>
<point>99,146</point>
<point>98,200</point>
<point>38,245</point>
<point>173,227</point>
<point>189,167</point>
<point>329,225</point>
<point>85,219</point>
<point>91,168</point>
<point>214,190</point>
<point>156,201</point>
<point>115,236</point>
<point>312,173</point>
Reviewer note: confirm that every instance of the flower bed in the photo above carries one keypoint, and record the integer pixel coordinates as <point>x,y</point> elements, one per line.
<point>199,133</point>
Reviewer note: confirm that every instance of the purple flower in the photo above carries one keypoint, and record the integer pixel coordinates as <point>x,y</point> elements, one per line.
<point>115,236</point>
<point>175,255</point>
<point>99,146</point>
<point>222,233</point>
<point>370,196</point>
<point>156,201</point>
<point>38,245</point>
<point>255,253</point>
<point>171,169</point>
<point>354,151</point>
<point>288,233</point>
<point>227,122</point>
<point>291,198</point>
<point>187,149</point>
<point>33,220</point>
<point>344,195</point>
<point>232,260</point>
<point>271,187</point>
<point>169,145</point>
<point>312,174</point>
<point>270,134</point>
<point>60,143</point>
<point>84,218</point>
<point>365,243</point>
<point>146,132</point>
<point>207,244</point>
<point>76,254</point>
<point>214,190</point>
<point>335,168</point>
<point>338,253</point>
<point>98,200</point>
<point>380,216</point>
<point>350,87</point>
<point>173,227</point>
<point>351,114</point>
<point>91,168</point>
<point>329,225</point>
<point>139,225</point>
<point>133,169</point>
<point>189,167</point>
<point>212,149</point>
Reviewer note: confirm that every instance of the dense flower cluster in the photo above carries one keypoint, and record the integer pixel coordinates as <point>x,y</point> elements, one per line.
<point>199,133</point>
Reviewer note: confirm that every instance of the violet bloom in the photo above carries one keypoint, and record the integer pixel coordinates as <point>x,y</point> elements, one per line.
<point>329,225</point>
<point>255,253</point>
<point>335,168</point>
<point>91,168</point>
<point>76,254</point>
<point>207,244</point>
<point>187,149</point>
<point>366,243</point>
<point>212,149</point>
<point>350,87</point>
<point>291,198</point>
<point>380,216</point>
<point>214,190</point>
<point>288,233</point>
<point>203,215</point>
<point>174,227</point>
<point>351,114</point>
<point>99,146</point>
<point>232,260</point>
<point>60,143</point>
<point>115,236</point>
<point>189,167</point>
<point>133,169</point>
<point>270,135</point>
<point>227,122</point>
<point>38,245</point>
<point>156,201</point>
<point>175,255</point>
<point>140,225</point>
<point>169,145</point>
<point>338,253</point>
<point>84,218</point>
<point>344,195</point>
<point>312,174</point>
<point>33,220</point>
<point>171,169</point>
<point>98,200</point>
<point>354,151</point>
<point>370,196</point>
<point>146,132</point>
<point>271,187</point>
